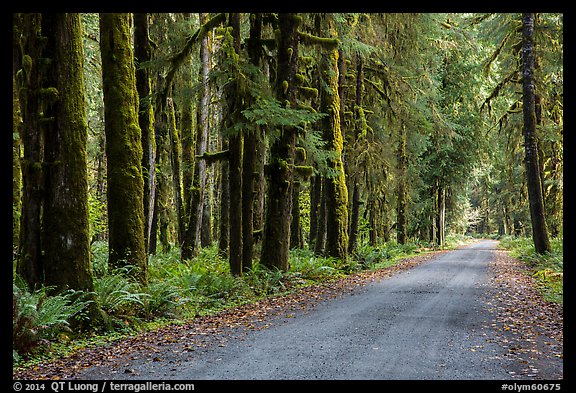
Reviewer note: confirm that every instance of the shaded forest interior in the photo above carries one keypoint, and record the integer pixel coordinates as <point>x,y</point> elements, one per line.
<point>260,138</point>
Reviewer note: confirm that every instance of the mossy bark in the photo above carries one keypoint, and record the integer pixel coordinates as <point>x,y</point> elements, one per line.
<point>249,173</point>
<point>536,201</point>
<point>402,162</point>
<point>66,242</point>
<point>142,54</point>
<point>29,78</point>
<point>175,160</point>
<point>16,170</point>
<point>336,191</point>
<point>191,239</point>
<point>234,99</point>
<point>123,146</point>
<point>276,242</point>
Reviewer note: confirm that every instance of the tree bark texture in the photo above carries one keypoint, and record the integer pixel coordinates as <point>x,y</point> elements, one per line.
<point>123,146</point>
<point>66,242</point>
<point>29,78</point>
<point>336,191</point>
<point>539,229</point>
<point>142,54</point>
<point>276,243</point>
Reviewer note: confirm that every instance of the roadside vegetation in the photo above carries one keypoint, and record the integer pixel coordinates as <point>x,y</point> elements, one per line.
<point>178,291</point>
<point>547,269</point>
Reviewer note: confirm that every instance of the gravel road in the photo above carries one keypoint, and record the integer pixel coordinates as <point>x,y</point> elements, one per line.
<point>426,323</point>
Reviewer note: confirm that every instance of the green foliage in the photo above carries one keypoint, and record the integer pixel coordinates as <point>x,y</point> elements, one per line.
<point>38,316</point>
<point>119,296</point>
<point>547,269</point>
<point>96,216</point>
<point>271,113</point>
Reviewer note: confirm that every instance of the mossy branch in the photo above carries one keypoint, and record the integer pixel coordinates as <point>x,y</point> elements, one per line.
<point>326,43</point>
<point>212,157</point>
<point>303,171</point>
<point>308,92</point>
<point>178,59</point>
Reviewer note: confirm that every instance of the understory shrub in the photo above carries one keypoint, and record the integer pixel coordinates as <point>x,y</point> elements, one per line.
<point>38,316</point>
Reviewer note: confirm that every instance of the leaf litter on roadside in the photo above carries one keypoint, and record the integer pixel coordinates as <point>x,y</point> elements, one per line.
<point>527,326</point>
<point>203,332</point>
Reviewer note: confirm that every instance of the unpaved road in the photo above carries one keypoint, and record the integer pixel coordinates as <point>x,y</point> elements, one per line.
<point>429,322</point>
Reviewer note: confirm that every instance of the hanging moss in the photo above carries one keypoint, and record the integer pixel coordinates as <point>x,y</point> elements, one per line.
<point>300,154</point>
<point>304,171</point>
<point>308,92</point>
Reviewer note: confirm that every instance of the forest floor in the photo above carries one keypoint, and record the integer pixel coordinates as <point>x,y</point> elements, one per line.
<point>472,313</point>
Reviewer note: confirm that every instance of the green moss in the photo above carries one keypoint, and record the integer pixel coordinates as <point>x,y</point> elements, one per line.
<point>123,146</point>
<point>326,43</point>
<point>309,92</point>
<point>285,87</point>
<point>304,171</point>
<point>50,94</point>
<point>27,66</point>
<point>300,153</point>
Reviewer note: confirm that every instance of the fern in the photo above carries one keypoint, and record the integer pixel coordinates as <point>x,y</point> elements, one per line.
<point>38,317</point>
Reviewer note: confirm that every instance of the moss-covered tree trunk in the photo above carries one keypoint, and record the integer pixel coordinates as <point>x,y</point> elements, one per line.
<point>336,191</point>
<point>175,161</point>
<point>29,78</point>
<point>191,239</point>
<point>402,161</point>
<point>358,129</point>
<point>142,54</point>
<point>16,170</point>
<point>235,158</point>
<point>123,146</point>
<point>65,235</point>
<point>249,173</point>
<point>276,242</point>
<point>537,215</point>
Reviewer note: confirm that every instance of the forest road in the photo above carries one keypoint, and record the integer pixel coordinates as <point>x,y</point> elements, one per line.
<point>425,323</point>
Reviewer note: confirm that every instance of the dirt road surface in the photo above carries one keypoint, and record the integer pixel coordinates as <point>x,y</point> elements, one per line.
<point>427,323</point>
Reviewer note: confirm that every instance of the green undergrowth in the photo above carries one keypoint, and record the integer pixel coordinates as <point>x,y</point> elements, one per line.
<point>547,269</point>
<point>177,292</point>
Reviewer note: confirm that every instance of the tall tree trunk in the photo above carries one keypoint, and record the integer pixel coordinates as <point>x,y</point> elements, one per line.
<point>249,155</point>
<point>224,223</point>
<point>441,214</point>
<point>175,160</point>
<point>235,161</point>
<point>123,146</point>
<point>315,190</point>
<point>29,78</point>
<point>142,54</point>
<point>65,234</point>
<point>16,169</point>
<point>320,245</point>
<point>336,191</point>
<point>276,241</point>
<point>192,235</point>
<point>539,229</point>
<point>354,218</point>
<point>402,169</point>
